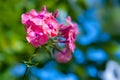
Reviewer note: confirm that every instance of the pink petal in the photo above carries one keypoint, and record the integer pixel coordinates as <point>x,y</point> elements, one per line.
<point>33,12</point>
<point>25,18</point>
<point>63,57</point>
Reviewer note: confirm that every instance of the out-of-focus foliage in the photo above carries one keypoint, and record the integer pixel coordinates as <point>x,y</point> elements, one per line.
<point>97,54</point>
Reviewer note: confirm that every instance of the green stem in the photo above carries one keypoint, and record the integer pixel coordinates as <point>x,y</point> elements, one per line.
<point>51,54</point>
<point>34,53</point>
<point>28,66</point>
<point>58,49</point>
<point>26,72</point>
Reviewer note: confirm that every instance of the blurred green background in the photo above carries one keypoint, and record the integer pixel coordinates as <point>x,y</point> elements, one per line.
<point>97,45</point>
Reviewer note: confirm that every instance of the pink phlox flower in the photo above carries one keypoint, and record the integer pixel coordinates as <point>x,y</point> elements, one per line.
<point>36,36</point>
<point>69,32</point>
<point>73,25</point>
<point>42,26</point>
<point>52,25</point>
<point>39,26</point>
<point>63,56</point>
<point>44,19</point>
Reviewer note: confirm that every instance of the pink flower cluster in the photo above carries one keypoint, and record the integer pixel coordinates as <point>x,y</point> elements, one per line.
<point>41,26</point>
